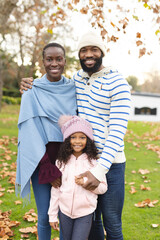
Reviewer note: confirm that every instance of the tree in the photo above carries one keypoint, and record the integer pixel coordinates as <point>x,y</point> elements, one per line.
<point>152,83</point>
<point>6,7</point>
<point>133,82</point>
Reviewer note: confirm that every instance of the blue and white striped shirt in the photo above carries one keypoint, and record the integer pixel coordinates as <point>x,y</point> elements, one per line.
<point>104,100</point>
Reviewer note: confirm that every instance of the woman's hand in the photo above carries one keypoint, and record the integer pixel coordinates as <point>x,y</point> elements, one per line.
<point>25,84</point>
<point>57,183</point>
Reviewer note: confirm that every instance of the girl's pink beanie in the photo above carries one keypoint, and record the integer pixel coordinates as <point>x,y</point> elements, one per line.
<point>72,124</point>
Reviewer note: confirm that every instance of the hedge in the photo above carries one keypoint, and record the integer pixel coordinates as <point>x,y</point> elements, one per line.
<point>11,92</point>
<point>11,100</point>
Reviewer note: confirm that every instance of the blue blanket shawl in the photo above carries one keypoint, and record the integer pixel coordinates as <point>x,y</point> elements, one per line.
<point>40,110</point>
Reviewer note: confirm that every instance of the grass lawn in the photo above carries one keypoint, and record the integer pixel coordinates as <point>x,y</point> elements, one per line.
<point>142,147</point>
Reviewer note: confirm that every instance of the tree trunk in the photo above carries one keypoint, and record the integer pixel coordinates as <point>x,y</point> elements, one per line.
<point>6,7</point>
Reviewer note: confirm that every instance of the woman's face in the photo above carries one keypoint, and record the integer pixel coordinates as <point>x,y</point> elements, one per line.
<point>54,62</point>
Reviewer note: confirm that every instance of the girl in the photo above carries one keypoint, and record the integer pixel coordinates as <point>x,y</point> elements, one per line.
<point>74,203</point>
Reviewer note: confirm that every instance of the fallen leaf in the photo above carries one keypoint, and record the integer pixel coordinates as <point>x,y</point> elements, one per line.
<point>146,202</point>
<point>142,187</point>
<point>17,202</point>
<point>155,225</point>
<point>133,190</point>
<point>28,229</point>
<point>10,191</point>
<point>143,171</point>
<point>131,183</point>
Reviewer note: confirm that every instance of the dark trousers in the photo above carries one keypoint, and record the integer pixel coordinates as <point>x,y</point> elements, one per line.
<point>75,229</point>
<point>110,205</point>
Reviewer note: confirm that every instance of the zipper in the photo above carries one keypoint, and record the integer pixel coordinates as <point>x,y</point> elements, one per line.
<point>73,191</point>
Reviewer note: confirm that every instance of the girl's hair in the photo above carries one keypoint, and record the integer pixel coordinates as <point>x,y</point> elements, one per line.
<point>65,151</point>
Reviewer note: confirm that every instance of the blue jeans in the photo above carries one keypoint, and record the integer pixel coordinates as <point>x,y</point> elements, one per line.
<point>110,205</point>
<point>42,197</point>
<point>75,229</point>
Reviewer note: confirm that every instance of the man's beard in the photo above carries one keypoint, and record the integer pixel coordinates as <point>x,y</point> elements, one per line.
<point>93,69</point>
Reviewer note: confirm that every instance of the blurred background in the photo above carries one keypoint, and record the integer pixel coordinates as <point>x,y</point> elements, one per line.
<point>130,30</point>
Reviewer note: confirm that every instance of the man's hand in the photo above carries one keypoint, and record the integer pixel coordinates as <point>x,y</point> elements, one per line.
<point>57,183</point>
<point>91,182</point>
<point>54,225</point>
<point>25,84</point>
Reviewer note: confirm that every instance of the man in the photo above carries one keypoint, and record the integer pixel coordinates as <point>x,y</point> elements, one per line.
<point>103,98</point>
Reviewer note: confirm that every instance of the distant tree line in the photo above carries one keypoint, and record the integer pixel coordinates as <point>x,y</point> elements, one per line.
<point>151,83</point>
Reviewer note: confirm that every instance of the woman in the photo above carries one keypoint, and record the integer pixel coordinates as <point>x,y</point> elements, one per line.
<point>39,133</point>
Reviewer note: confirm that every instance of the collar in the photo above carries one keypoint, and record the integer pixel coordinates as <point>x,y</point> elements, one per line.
<point>105,70</point>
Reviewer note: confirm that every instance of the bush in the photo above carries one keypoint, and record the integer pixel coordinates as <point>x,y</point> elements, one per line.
<point>11,100</point>
<point>11,92</point>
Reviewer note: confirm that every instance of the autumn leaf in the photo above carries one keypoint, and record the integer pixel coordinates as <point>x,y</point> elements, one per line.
<point>113,25</point>
<point>143,171</point>
<point>142,52</point>
<point>17,202</point>
<point>76,1</point>
<point>138,35</point>
<point>10,191</point>
<point>135,17</point>
<point>24,236</point>
<point>30,216</point>
<point>99,3</point>
<point>28,230</point>
<point>133,190</point>
<point>131,183</point>
<point>6,225</point>
<point>142,187</point>
<point>155,225</point>
<point>114,39</point>
<point>50,31</point>
<point>69,5</point>
<point>84,10</point>
<point>146,202</point>
<point>138,43</point>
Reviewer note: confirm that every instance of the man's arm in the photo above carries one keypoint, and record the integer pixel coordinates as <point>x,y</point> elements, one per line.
<point>118,120</point>
<point>25,84</point>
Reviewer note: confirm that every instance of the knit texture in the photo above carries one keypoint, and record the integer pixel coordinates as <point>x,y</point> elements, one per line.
<point>91,39</point>
<point>73,124</point>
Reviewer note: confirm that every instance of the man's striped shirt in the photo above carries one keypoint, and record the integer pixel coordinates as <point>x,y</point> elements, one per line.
<point>104,100</point>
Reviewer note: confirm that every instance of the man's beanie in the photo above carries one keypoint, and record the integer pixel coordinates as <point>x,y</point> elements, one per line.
<point>91,39</point>
<point>72,124</point>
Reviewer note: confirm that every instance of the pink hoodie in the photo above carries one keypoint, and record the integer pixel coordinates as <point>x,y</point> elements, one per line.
<point>72,199</point>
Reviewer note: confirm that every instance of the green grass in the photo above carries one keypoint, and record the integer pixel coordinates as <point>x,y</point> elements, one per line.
<point>136,221</point>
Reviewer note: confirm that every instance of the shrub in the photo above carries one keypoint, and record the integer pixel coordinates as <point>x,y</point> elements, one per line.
<point>11,92</point>
<point>11,100</point>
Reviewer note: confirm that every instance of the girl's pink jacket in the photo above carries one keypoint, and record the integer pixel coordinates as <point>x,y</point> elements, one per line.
<point>72,199</point>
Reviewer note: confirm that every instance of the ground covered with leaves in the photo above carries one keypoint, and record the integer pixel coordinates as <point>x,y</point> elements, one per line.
<point>141,214</point>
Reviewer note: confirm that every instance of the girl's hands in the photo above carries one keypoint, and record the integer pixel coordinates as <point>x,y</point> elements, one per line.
<point>54,225</point>
<point>90,182</point>
<point>79,180</point>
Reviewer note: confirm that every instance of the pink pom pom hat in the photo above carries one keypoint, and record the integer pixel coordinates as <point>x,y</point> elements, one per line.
<point>72,124</point>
